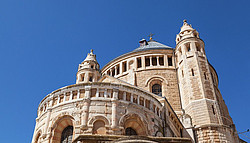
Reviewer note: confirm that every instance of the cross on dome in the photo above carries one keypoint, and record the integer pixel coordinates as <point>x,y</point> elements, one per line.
<point>151,36</point>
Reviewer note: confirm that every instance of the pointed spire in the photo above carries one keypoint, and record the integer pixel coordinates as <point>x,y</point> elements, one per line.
<point>91,56</point>
<point>186,32</point>
<point>186,26</point>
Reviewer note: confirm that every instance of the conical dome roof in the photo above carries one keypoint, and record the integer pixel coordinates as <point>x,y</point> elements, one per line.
<point>150,45</point>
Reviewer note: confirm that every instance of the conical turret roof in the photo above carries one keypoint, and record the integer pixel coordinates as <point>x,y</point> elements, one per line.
<point>90,57</point>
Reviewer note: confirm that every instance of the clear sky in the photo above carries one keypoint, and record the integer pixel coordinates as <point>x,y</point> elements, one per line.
<point>42,43</point>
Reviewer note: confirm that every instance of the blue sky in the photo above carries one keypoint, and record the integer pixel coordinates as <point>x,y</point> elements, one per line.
<point>42,43</point>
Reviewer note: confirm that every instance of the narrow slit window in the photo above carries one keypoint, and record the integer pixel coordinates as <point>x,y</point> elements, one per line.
<point>154,61</point>
<point>188,46</point>
<point>161,61</point>
<point>124,64</point>
<point>205,76</point>
<point>90,79</point>
<point>192,71</point>
<point>147,61</point>
<point>182,73</point>
<point>138,62</point>
<point>170,63</point>
<point>113,71</point>
<point>118,69</point>
<point>82,76</point>
<point>213,109</point>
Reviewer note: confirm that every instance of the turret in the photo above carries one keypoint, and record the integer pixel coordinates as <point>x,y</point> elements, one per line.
<point>198,93</point>
<point>88,70</point>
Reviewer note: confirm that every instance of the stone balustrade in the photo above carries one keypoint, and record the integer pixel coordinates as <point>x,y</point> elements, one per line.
<point>100,91</point>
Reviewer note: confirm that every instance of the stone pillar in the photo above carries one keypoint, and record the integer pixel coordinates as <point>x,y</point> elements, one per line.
<point>150,60</point>
<point>105,93</point>
<point>121,68</point>
<point>115,70</point>
<point>158,63</point>
<point>114,108</point>
<point>86,107</point>
<point>97,92</point>
<point>71,95</point>
<point>165,60</point>
<point>143,62</point>
<point>110,71</point>
<point>64,96</point>
<point>184,49</point>
<point>124,95</point>
<point>78,93</point>
<point>193,46</point>
<point>58,99</point>
<point>132,98</point>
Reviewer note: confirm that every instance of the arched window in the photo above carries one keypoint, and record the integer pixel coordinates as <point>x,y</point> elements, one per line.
<point>99,127</point>
<point>156,89</point>
<point>67,135</point>
<point>130,132</point>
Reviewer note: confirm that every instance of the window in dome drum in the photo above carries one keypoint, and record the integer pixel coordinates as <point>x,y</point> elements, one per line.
<point>170,63</point>
<point>138,62</point>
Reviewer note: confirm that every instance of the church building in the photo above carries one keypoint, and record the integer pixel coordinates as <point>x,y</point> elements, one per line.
<point>154,93</point>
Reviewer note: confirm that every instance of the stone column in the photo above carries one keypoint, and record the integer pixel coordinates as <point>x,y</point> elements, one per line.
<point>64,96</point>
<point>132,98</point>
<point>115,70</point>
<point>143,62</point>
<point>124,96</point>
<point>158,63</point>
<point>58,99</point>
<point>121,68</point>
<point>78,93</point>
<point>150,60</point>
<point>183,49</point>
<point>71,95</point>
<point>193,46</point>
<point>165,60</point>
<point>86,107</point>
<point>114,108</point>
<point>105,93</point>
<point>97,92</point>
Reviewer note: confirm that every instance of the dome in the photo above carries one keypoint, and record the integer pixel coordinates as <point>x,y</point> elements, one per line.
<point>150,45</point>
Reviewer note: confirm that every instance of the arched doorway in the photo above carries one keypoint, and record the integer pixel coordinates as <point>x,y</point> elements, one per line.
<point>67,135</point>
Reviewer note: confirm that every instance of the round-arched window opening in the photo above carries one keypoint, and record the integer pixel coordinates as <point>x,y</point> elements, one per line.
<point>156,89</point>
<point>67,135</point>
<point>130,132</point>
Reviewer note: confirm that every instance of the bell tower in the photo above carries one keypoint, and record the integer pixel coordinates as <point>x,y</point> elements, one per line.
<point>197,90</point>
<point>88,70</point>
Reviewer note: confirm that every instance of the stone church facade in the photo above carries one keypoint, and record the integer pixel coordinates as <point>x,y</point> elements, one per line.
<point>154,93</point>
